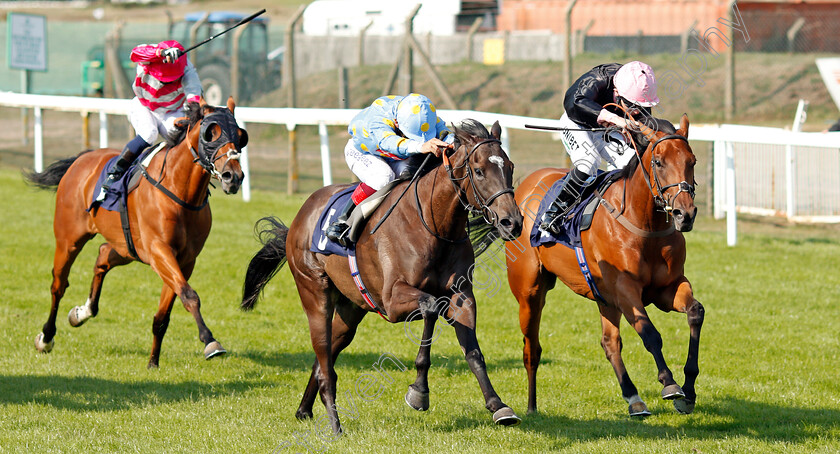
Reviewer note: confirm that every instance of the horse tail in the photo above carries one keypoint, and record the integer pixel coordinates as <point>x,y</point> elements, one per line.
<point>267,262</point>
<point>49,178</point>
<point>482,234</point>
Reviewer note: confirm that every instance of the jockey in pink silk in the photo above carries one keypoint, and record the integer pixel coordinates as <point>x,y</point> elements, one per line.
<point>166,80</point>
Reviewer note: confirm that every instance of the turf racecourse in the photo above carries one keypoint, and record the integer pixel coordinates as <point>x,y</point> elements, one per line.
<point>768,380</point>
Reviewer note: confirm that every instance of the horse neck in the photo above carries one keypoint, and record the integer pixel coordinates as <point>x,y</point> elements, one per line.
<point>441,206</point>
<point>640,208</point>
<point>183,176</point>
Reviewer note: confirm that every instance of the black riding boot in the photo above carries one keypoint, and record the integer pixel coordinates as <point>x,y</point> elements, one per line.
<point>569,194</point>
<point>339,230</point>
<point>127,156</point>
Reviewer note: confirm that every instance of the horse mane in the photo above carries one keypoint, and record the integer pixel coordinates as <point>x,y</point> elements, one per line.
<point>194,114</point>
<point>642,141</point>
<point>470,128</point>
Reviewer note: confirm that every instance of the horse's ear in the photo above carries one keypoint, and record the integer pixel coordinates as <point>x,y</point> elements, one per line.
<point>683,131</point>
<point>496,130</point>
<point>182,122</point>
<point>202,102</point>
<point>230,104</point>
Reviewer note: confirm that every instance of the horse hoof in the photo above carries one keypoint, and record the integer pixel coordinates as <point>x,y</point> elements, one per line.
<point>684,406</point>
<point>214,349</point>
<point>416,399</point>
<point>41,346</point>
<point>79,315</point>
<point>639,409</point>
<point>303,415</point>
<point>506,417</point>
<point>672,392</point>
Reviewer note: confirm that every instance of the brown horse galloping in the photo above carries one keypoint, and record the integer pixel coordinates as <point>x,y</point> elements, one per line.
<point>636,256</point>
<point>169,220</point>
<point>419,258</point>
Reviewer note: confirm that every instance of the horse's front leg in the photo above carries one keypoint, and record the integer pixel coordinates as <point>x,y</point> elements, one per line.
<point>680,297</point>
<point>631,305</point>
<point>175,275</point>
<point>404,298</point>
<point>462,314</point>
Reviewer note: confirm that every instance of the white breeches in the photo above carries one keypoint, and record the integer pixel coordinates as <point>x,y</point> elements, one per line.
<point>587,148</point>
<point>148,124</point>
<point>372,170</point>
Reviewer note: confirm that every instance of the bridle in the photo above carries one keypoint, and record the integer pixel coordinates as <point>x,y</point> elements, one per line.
<point>682,186</point>
<point>208,151</point>
<point>482,202</point>
<point>201,156</point>
<point>662,201</point>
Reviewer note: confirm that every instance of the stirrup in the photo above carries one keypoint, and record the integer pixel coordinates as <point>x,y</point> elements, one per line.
<point>339,232</point>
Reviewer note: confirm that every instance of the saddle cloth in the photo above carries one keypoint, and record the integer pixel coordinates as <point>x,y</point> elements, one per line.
<point>576,220</point>
<point>129,181</point>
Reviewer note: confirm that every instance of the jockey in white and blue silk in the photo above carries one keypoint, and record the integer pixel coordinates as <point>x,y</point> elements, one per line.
<point>391,129</point>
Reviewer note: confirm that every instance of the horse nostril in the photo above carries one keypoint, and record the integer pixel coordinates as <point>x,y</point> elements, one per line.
<point>506,223</point>
<point>227,176</point>
<point>678,214</point>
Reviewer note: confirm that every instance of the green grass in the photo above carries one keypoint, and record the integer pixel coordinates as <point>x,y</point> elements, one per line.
<point>768,379</point>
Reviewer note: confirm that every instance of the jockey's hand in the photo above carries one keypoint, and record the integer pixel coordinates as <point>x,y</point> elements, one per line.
<point>170,54</point>
<point>435,146</point>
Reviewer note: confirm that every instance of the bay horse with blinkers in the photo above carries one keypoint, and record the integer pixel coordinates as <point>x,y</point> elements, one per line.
<point>417,263</point>
<point>169,217</point>
<point>636,252</point>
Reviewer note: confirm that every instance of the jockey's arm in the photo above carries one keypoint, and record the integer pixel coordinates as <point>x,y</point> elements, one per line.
<point>192,84</point>
<point>581,106</point>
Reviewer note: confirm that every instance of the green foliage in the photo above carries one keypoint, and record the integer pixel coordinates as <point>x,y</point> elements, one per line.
<point>767,381</point>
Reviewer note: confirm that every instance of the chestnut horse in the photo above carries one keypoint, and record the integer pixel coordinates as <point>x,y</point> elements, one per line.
<point>169,217</point>
<point>419,259</point>
<point>636,255</point>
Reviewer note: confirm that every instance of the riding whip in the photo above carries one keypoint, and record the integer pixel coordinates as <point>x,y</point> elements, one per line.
<point>554,128</point>
<point>243,21</point>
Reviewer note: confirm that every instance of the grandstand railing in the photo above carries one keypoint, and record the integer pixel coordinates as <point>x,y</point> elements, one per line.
<point>778,172</point>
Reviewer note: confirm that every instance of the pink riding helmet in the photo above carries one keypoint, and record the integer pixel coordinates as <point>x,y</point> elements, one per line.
<point>167,72</point>
<point>636,83</point>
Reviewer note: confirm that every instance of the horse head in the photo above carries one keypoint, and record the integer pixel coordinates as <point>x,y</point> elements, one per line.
<point>216,141</point>
<point>484,175</point>
<point>670,168</point>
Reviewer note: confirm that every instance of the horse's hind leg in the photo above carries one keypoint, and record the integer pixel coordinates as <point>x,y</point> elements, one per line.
<point>66,251</point>
<point>530,286</point>
<point>107,259</point>
<point>680,298</point>
<point>611,343</point>
<point>344,324</point>
<point>319,312</point>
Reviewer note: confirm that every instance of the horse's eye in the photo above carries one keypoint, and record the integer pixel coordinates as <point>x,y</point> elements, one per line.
<point>479,173</point>
<point>657,162</point>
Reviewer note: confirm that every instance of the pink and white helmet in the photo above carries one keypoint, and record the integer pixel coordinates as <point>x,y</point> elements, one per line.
<point>167,72</point>
<point>636,83</point>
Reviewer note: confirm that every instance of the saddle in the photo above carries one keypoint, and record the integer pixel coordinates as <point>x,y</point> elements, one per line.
<point>404,169</point>
<point>579,217</point>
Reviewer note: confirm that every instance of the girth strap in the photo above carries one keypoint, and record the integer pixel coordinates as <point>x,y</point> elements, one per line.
<point>126,228</point>
<point>357,278</point>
